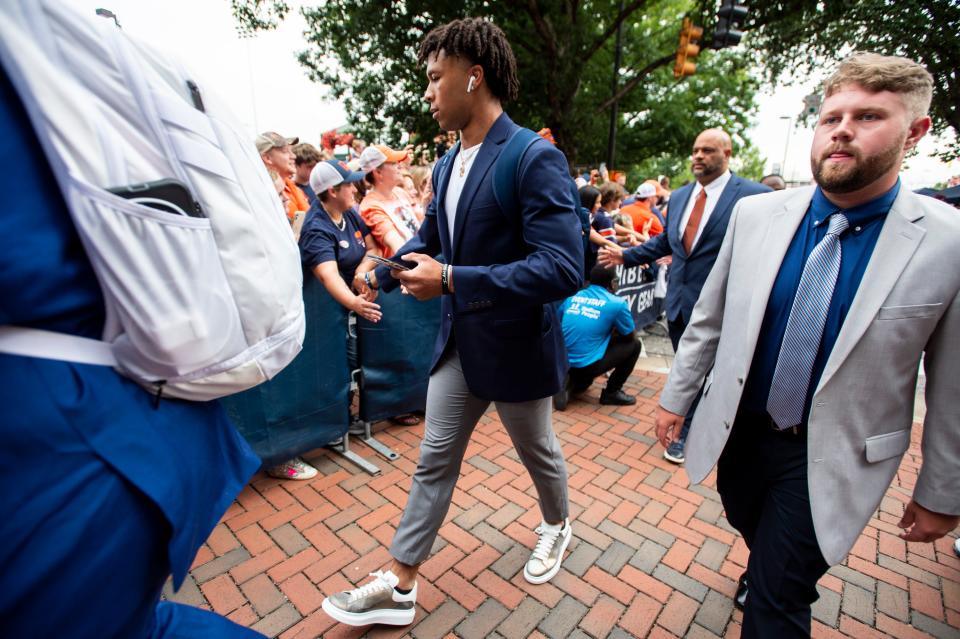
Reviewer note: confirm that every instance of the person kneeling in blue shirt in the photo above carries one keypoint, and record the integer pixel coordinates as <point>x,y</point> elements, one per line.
<point>598,332</point>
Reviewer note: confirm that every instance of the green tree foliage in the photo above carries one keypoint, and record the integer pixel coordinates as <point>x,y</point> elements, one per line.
<point>799,37</point>
<point>365,51</point>
<point>256,15</point>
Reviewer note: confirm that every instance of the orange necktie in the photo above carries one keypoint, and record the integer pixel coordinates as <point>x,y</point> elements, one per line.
<point>694,222</point>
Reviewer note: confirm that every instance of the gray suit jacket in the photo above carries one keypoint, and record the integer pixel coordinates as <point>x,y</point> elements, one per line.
<point>907,305</point>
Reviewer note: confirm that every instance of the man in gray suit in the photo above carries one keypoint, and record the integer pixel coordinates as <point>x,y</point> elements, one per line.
<point>807,339</point>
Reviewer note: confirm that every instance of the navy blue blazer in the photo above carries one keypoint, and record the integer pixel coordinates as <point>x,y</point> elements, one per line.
<point>687,273</point>
<point>509,270</point>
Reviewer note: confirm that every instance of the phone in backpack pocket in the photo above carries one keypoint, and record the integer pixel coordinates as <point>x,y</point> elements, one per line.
<point>168,195</point>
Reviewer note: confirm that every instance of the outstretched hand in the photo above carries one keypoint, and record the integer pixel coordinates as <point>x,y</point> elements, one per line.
<point>366,309</point>
<point>610,256</point>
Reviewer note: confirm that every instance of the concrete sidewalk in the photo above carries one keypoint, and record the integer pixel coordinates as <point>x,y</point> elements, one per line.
<point>651,556</point>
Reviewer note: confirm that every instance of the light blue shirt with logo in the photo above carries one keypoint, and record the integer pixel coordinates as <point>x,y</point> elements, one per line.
<point>588,319</point>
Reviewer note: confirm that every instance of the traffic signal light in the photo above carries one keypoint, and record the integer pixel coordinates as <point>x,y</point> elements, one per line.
<point>811,104</point>
<point>689,48</point>
<point>730,17</point>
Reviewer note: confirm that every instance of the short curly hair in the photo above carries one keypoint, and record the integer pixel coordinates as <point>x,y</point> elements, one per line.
<point>305,153</point>
<point>875,73</point>
<point>610,191</point>
<point>481,42</point>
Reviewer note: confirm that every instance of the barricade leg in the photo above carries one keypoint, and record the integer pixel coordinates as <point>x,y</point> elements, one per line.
<point>356,383</point>
<point>377,446</point>
<point>342,448</point>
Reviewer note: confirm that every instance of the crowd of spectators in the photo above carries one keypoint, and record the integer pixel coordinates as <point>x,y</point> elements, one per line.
<point>347,201</point>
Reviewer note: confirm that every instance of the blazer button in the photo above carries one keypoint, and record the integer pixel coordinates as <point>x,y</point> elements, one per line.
<point>726,425</point>
<point>740,381</point>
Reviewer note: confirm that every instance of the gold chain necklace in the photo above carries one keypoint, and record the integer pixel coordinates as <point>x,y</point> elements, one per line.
<point>464,157</point>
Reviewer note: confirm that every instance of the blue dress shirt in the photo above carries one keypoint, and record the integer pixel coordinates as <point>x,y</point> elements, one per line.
<point>857,245</point>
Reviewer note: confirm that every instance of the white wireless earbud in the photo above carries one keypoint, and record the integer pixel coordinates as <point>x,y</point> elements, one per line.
<point>470,84</point>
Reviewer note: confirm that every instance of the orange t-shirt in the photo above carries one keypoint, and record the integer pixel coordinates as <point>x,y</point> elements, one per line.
<point>639,212</point>
<point>382,215</point>
<point>298,199</point>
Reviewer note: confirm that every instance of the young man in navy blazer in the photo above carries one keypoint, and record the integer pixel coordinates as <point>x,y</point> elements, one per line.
<point>503,273</point>
<point>696,224</point>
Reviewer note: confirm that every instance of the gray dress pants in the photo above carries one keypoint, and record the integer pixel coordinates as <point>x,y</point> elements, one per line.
<point>451,415</point>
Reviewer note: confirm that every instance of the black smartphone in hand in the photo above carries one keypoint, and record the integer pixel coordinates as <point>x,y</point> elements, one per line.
<point>388,263</point>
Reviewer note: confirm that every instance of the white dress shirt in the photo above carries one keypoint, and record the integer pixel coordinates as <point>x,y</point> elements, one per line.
<point>714,189</point>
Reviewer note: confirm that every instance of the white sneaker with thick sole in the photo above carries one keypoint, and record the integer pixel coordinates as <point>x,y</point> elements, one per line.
<point>547,556</point>
<point>375,602</point>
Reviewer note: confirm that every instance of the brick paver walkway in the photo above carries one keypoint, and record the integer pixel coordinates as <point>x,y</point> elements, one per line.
<point>651,557</point>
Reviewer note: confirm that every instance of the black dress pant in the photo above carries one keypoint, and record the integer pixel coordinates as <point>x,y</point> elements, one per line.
<point>762,480</point>
<point>621,357</point>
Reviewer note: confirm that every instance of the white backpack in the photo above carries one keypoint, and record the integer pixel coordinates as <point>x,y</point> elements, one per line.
<point>197,307</point>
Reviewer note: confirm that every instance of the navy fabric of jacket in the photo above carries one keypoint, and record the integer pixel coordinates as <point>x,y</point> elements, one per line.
<point>105,491</point>
<point>687,273</point>
<point>510,270</point>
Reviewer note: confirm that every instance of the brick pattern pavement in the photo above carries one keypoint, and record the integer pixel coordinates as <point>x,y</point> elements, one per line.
<point>651,557</point>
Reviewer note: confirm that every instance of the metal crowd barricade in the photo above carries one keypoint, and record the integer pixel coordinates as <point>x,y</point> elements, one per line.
<point>307,405</point>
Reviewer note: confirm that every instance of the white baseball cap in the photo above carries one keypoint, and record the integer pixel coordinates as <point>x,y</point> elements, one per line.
<point>646,190</point>
<point>331,173</point>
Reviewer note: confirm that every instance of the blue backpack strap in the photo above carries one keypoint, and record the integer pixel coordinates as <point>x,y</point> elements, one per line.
<point>506,170</point>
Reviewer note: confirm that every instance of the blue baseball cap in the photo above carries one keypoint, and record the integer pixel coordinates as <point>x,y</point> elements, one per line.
<point>330,173</point>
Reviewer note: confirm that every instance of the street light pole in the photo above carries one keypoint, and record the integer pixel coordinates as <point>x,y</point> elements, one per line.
<point>246,34</point>
<point>786,145</point>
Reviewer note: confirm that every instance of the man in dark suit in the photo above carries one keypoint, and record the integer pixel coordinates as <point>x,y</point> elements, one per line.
<point>696,224</point>
<point>500,338</point>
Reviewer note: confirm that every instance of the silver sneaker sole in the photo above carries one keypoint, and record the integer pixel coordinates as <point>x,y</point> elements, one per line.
<point>672,459</point>
<point>386,617</point>
<point>547,576</point>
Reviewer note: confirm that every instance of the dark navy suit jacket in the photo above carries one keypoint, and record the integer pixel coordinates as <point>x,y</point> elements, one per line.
<point>687,273</point>
<point>509,270</point>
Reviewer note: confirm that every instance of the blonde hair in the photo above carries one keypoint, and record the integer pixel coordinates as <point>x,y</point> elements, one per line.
<point>875,73</point>
<point>419,175</point>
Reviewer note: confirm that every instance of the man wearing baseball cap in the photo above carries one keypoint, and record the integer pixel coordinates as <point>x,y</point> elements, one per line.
<point>640,211</point>
<point>276,152</point>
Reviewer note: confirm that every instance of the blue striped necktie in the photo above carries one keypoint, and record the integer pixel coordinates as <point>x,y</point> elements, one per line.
<point>801,340</point>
